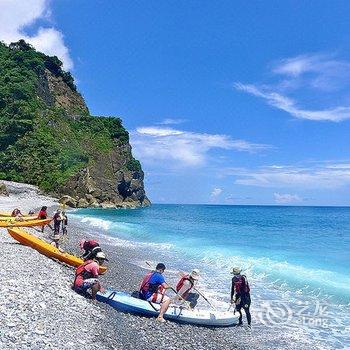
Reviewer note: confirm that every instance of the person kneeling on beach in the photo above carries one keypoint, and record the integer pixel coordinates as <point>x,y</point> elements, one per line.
<point>86,276</point>
<point>184,286</point>
<point>91,248</point>
<point>240,294</point>
<point>153,288</point>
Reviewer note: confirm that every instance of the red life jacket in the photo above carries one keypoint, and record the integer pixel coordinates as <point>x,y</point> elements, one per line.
<point>146,286</point>
<point>42,214</point>
<point>82,272</point>
<point>182,282</point>
<point>241,284</point>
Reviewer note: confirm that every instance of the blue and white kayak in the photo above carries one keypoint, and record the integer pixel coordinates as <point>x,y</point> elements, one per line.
<point>124,302</point>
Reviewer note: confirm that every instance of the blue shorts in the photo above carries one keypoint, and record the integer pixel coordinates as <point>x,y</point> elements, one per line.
<point>87,284</point>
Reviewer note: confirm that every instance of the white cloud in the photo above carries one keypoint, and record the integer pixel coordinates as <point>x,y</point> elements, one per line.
<point>316,176</point>
<point>289,105</point>
<point>17,15</point>
<point>287,198</point>
<point>183,148</point>
<point>171,121</point>
<point>216,192</point>
<point>322,72</point>
<point>306,72</point>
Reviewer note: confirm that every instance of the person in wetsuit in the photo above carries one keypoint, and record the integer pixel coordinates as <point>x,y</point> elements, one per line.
<point>240,294</point>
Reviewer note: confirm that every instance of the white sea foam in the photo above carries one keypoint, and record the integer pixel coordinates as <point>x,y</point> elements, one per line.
<point>111,236</point>
<point>96,222</point>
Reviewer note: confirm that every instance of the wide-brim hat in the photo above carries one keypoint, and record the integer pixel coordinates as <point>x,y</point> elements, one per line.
<point>236,270</point>
<point>195,274</point>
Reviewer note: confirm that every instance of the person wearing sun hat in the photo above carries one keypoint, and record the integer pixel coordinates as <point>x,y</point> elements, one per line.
<point>86,276</point>
<point>184,286</point>
<point>240,294</point>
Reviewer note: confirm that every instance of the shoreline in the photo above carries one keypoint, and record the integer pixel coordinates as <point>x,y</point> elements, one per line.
<point>113,329</point>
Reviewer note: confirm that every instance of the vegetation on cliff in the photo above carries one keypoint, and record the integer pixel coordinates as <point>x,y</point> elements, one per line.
<point>46,132</point>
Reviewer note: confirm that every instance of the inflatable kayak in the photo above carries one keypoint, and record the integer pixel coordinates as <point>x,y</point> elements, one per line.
<point>124,302</point>
<point>19,223</point>
<point>47,249</point>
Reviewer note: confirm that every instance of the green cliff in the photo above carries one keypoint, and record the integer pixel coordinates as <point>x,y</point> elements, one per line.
<point>48,137</point>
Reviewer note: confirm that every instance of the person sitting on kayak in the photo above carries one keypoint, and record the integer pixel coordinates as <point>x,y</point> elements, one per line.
<point>240,294</point>
<point>152,289</point>
<point>42,215</point>
<point>86,276</point>
<point>184,286</point>
<point>91,248</point>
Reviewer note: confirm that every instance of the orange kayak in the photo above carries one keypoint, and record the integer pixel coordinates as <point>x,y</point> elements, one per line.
<point>47,249</point>
<point>24,223</point>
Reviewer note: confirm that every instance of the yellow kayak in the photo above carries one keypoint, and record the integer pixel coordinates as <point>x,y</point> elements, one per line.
<point>18,223</point>
<point>16,219</point>
<point>8,214</point>
<point>47,249</point>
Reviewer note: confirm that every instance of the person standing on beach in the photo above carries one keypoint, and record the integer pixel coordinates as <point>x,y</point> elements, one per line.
<point>57,220</point>
<point>184,286</point>
<point>153,288</point>
<point>240,294</point>
<point>86,276</point>
<point>42,215</point>
<point>64,223</point>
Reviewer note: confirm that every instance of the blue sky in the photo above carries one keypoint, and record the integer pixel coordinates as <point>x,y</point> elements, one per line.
<point>226,102</point>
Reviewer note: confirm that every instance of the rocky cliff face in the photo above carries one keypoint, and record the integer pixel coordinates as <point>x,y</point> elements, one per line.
<point>48,137</point>
<point>107,183</point>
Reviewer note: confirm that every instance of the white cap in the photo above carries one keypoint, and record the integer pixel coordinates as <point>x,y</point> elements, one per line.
<point>101,255</point>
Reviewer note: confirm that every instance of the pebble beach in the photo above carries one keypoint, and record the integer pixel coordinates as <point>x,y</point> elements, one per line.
<point>40,311</point>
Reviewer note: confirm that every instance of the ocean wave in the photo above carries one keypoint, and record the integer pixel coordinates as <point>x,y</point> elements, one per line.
<point>286,276</point>
<point>96,222</point>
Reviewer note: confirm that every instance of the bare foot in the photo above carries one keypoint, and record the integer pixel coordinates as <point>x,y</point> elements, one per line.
<point>160,319</point>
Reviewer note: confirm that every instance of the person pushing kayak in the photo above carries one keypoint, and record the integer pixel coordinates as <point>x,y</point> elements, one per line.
<point>86,276</point>
<point>90,247</point>
<point>185,285</point>
<point>153,288</point>
<point>240,294</point>
<point>42,215</point>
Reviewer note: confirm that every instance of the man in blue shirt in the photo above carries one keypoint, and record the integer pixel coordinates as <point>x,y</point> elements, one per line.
<point>153,287</point>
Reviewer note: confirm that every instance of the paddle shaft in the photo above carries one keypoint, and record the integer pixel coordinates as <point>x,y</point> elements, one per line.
<point>204,298</point>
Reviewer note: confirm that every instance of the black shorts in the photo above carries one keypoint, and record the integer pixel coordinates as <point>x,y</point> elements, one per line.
<point>244,301</point>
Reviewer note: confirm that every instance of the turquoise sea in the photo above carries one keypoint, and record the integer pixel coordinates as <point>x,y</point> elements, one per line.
<point>296,258</point>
